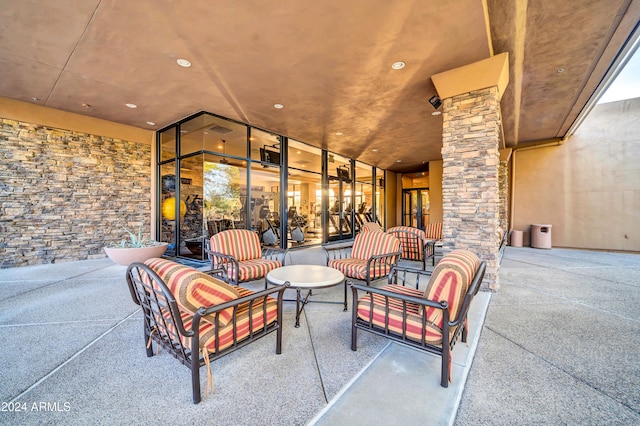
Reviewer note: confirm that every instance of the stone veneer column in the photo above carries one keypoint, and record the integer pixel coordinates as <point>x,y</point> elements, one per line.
<point>503,186</point>
<point>470,190</point>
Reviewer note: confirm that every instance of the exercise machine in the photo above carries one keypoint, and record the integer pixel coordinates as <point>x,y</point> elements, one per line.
<point>297,223</point>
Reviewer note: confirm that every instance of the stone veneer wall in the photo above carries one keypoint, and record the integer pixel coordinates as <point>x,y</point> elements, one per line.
<point>470,194</point>
<point>64,194</point>
<point>503,187</point>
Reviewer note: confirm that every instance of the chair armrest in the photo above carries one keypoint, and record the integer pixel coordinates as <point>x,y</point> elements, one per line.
<point>443,305</point>
<point>217,254</point>
<point>378,260</point>
<point>235,304</point>
<point>403,299</point>
<point>399,275</point>
<point>338,251</point>
<point>273,253</point>
<point>218,272</point>
<point>391,295</point>
<point>226,262</point>
<point>430,251</point>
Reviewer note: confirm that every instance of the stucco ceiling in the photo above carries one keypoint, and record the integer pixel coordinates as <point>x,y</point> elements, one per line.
<point>328,63</point>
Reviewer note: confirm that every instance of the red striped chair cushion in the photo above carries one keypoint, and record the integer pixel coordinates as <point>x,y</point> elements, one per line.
<point>397,324</point>
<point>357,268</point>
<point>242,244</point>
<point>411,241</point>
<point>250,270</point>
<point>433,231</point>
<point>194,289</point>
<point>367,244</point>
<point>371,227</point>
<point>415,231</point>
<point>449,281</point>
<point>241,328</point>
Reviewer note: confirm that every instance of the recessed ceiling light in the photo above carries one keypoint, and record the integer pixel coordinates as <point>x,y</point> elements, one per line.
<point>339,133</point>
<point>131,105</point>
<point>35,99</point>
<point>397,65</point>
<point>560,70</point>
<point>398,161</point>
<point>375,150</point>
<point>151,123</point>
<point>436,113</point>
<point>278,106</point>
<point>86,106</point>
<point>183,63</point>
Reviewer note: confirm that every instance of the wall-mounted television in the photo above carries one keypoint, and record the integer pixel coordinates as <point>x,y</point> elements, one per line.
<point>343,174</point>
<point>268,156</point>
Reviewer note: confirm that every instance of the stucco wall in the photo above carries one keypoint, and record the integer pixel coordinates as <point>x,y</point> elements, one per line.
<point>435,191</point>
<point>588,188</point>
<point>55,118</point>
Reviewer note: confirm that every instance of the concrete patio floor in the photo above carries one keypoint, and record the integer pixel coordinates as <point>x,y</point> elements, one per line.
<point>560,344</point>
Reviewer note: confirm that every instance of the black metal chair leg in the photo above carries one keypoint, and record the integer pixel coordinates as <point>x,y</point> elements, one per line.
<point>345,295</point>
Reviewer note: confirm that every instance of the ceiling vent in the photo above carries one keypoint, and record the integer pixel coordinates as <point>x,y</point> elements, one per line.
<point>221,130</point>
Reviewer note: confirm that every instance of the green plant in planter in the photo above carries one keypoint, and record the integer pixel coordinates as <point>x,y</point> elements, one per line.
<point>135,248</point>
<point>135,240</point>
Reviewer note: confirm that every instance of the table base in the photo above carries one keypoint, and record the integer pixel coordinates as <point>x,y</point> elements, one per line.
<point>301,302</point>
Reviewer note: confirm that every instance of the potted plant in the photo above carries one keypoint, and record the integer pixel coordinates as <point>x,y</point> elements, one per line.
<point>135,248</point>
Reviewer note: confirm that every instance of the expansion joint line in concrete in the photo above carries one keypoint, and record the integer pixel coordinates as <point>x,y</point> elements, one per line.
<point>568,373</point>
<point>74,356</point>
<point>315,358</point>
<point>55,282</point>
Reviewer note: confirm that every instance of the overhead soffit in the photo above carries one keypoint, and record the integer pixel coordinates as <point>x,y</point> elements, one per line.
<point>328,62</point>
<point>490,72</point>
<point>559,53</point>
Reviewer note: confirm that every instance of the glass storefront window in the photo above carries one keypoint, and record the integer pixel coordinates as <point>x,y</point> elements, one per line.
<point>192,231</point>
<point>265,146</point>
<point>210,133</point>
<point>340,197</point>
<point>225,137</point>
<point>168,206</point>
<point>304,204</point>
<point>380,197</point>
<point>363,195</point>
<point>415,180</point>
<point>304,194</point>
<point>264,205</point>
<point>212,190</point>
<point>225,184</point>
<point>304,157</point>
<point>167,149</point>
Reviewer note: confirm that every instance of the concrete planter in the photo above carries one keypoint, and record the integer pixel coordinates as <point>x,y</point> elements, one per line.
<point>129,255</point>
